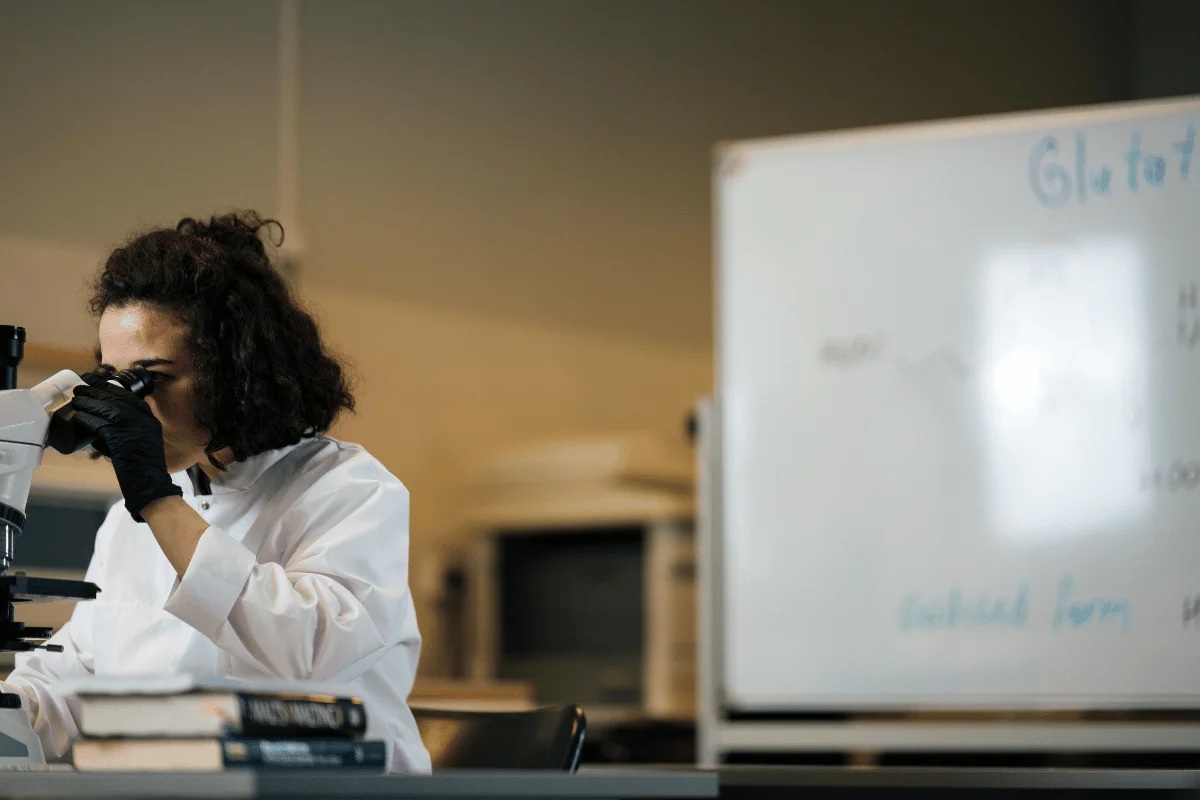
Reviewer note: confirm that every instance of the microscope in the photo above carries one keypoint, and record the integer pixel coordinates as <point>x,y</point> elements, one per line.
<point>31,420</point>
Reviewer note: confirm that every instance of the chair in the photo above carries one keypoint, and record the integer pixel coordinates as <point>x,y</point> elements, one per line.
<point>549,738</point>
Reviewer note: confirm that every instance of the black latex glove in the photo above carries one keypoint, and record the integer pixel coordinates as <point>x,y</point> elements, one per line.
<point>128,433</point>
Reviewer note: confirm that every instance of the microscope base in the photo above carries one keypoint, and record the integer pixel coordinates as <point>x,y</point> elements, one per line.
<point>18,744</point>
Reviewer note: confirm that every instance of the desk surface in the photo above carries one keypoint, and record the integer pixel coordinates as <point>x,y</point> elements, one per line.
<point>281,783</point>
<point>595,783</point>
<point>752,777</point>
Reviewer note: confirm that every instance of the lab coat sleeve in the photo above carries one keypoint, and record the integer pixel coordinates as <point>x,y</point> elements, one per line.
<point>328,613</point>
<point>52,714</point>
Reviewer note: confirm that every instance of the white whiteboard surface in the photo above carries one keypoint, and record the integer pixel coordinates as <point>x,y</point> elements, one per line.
<point>959,382</point>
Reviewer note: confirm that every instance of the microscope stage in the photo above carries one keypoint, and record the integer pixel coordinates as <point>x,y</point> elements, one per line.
<point>25,589</point>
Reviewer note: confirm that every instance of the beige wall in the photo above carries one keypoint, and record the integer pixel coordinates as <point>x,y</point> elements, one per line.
<point>123,113</point>
<point>548,161</point>
<point>440,387</point>
<point>505,204</point>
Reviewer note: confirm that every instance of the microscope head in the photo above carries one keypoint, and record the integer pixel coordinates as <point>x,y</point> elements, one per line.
<point>25,422</point>
<point>28,417</point>
<point>12,520</point>
<point>40,417</point>
<point>12,350</point>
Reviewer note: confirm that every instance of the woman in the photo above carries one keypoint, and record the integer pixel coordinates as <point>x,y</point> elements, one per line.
<point>249,544</point>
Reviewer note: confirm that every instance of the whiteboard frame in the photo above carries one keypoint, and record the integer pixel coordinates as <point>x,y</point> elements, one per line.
<point>718,734</point>
<point>950,129</point>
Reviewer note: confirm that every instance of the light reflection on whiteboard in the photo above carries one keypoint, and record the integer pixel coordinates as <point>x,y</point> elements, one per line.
<point>1063,346</point>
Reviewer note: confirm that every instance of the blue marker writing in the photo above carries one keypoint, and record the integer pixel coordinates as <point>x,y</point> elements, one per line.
<point>1096,611</point>
<point>1080,159</point>
<point>1133,158</point>
<point>1185,150</point>
<point>1057,180</point>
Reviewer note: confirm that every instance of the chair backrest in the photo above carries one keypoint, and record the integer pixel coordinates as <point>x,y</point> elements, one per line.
<point>548,738</point>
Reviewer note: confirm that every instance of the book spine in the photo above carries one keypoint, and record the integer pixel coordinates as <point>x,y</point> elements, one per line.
<point>268,717</point>
<point>303,753</point>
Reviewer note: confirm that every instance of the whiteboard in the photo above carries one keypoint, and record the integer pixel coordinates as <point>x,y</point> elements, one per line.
<point>959,383</point>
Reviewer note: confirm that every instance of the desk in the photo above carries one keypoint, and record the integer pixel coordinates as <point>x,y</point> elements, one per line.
<point>648,784</point>
<point>736,783</point>
<point>815,783</point>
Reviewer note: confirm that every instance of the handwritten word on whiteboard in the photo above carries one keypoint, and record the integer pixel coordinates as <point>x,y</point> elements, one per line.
<point>1054,184</point>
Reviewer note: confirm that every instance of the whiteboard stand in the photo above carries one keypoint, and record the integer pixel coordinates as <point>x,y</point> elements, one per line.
<point>718,736</point>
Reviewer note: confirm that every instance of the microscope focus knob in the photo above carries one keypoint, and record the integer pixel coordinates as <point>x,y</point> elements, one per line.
<point>10,700</point>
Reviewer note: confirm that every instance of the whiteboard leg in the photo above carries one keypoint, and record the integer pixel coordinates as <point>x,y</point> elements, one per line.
<point>708,703</point>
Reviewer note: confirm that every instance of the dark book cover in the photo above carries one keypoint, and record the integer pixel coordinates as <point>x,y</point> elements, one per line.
<point>310,753</point>
<point>302,716</point>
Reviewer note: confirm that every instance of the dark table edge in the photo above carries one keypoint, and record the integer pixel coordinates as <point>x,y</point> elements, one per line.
<point>342,784</point>
<point>592,784</point>
<point>666,784</point>
<point>957,778</point>
<point>232,784</point>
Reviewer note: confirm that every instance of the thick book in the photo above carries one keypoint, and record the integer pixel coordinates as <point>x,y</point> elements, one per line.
<point>213,755</point>
<point>222,714</point>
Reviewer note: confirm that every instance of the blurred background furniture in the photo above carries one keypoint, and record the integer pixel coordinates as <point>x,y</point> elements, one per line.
<point>549,738</point>
<point>447,694</point>
<point>580,576</point>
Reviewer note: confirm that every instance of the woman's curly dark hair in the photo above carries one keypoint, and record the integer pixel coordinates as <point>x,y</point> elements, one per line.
<point>265,379</point>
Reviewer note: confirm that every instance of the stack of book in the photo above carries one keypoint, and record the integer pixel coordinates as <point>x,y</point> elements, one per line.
<point>200,725</point>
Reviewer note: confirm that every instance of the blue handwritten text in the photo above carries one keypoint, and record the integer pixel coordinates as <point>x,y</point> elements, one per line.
<point>1054,185</point>
<point>958,609</point>
<point>1096,612</point>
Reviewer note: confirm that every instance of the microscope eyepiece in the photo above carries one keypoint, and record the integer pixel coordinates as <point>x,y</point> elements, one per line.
<point>67,436</point>
<point>12,350</point>
<point>136,379</point>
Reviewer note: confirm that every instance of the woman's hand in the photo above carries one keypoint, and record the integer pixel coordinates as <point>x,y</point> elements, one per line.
<point>128,433</point>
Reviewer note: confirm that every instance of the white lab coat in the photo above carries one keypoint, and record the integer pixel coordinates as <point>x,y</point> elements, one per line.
<point>303,575</point>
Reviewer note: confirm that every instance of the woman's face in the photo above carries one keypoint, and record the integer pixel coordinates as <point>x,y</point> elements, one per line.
<point>139,334</point>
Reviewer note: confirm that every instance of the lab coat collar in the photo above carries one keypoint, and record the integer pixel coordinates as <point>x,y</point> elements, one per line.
<point>238,476</point>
